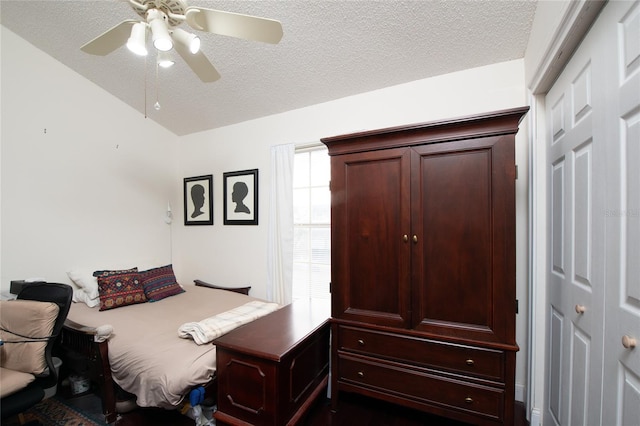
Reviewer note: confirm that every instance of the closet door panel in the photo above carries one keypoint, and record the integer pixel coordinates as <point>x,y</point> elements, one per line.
<point>370,219</point>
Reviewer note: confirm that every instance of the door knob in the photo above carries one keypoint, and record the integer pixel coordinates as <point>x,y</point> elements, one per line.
<point>580,309</point>
<point>628,342</point>
<point>405,238</point>
<point>415,238</point>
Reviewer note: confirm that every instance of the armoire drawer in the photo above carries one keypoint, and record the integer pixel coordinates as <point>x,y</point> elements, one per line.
<point>420,386</point>
<point>470,360</point>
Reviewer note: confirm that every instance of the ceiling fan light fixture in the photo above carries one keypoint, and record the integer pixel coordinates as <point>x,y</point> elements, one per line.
<point>159,31</point>
<point>138,40</point>
<point>164,60</point>
<point>194,45</point>
<point>188,39</point>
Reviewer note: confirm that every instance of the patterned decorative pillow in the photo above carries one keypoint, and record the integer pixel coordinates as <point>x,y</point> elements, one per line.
<point>108,272</point>
<point>120,289</point>
<point>159,283</point>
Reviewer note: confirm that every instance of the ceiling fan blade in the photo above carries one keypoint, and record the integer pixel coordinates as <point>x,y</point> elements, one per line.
<point>110,40</point>
<point>234,24</point>
<point>199,63</point>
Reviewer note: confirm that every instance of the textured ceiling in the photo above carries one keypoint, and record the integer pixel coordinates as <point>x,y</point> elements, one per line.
<point>330,50</point>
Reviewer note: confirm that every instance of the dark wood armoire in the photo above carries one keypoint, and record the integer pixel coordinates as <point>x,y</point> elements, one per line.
<point>423,265</point>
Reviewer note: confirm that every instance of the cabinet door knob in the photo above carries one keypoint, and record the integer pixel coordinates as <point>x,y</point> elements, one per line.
<point>360,374</point>
<point>470,362</point>
<point>580,309</point>
<point>468,400</point>
<point>361,342</point>
<point>415,238</point>
<point>405,238</point>
<point>628,342</point>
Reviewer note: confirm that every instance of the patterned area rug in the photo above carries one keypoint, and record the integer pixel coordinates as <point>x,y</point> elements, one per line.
<point>57,411</point>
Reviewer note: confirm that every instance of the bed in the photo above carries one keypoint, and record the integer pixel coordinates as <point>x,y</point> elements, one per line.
<point>143,354</point>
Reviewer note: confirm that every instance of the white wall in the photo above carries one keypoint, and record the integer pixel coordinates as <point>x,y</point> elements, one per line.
<point>85,178</point>
<point>236,255</point>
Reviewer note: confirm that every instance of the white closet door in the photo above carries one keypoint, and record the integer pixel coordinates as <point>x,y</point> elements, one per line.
<point>594,260</point>
<point>622,218</point>
<point>575,314</point>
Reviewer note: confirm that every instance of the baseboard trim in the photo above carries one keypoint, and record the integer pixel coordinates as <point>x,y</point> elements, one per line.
<point>536,417</point>
<point>519,396</point>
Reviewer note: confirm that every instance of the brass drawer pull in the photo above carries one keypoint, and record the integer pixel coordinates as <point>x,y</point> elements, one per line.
<point>361,342</point>
<point>360,374</point>
<point>470,362</point>
<point>468,400</point>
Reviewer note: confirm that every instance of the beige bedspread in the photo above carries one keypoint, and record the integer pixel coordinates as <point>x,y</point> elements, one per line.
<point>146,355</point>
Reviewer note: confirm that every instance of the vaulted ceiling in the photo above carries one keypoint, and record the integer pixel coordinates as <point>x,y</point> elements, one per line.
<point>330,49</point>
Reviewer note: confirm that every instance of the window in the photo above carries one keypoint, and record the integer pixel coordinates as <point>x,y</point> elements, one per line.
<point>311,224</point>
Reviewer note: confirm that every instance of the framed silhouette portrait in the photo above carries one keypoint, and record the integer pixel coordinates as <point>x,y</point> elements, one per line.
<point>241,197</point>
<point>198,200</point>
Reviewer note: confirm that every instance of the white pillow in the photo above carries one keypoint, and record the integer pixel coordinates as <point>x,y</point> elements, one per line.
<point>84,279</point>
<point>80,296</point>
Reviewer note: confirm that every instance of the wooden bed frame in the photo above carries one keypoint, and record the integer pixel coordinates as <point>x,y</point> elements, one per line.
<point>81,352</point>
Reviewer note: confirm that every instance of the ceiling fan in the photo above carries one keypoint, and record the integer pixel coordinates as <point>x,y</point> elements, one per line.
<point>163,19</point>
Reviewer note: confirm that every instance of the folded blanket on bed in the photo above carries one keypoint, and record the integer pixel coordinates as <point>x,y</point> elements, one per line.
<point>210,328</point>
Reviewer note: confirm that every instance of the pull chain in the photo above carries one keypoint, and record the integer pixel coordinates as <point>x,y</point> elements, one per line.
<point>157,104</point>
<point>145,86</point>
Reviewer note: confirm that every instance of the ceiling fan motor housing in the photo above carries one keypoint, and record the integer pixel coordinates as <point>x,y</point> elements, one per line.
<point>176,7</point>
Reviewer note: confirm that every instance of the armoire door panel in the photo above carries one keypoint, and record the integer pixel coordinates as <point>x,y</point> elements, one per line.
<point>374,219</point>
<point>456,197</point>
<point>458,264</point>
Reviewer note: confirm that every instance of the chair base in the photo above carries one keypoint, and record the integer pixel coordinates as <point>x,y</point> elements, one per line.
<point>21,401</point>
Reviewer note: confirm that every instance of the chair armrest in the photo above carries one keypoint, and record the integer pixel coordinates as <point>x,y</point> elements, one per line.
<point>241,290</point>
<point>79,328</point>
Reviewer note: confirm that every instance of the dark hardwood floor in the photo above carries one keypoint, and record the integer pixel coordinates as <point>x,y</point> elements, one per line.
<point>353,411</point>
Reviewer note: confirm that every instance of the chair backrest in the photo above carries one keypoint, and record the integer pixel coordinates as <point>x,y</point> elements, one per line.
<point>61,294</point>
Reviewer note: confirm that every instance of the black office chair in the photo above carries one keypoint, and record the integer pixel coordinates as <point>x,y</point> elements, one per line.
<point>60,294</point>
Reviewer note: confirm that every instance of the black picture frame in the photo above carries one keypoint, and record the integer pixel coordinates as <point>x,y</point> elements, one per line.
<point>198,200</point>
<point>240,197</point>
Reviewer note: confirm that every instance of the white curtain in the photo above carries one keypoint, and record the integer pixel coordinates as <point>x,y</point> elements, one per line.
<point>280,238</point>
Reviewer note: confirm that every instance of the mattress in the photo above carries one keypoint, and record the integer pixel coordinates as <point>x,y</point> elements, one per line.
<point>147,357</point>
